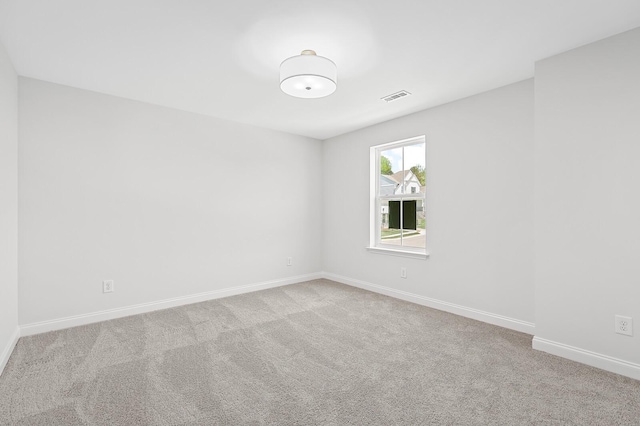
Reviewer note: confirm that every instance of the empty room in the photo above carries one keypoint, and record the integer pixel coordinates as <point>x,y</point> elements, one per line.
<point>338,213</point>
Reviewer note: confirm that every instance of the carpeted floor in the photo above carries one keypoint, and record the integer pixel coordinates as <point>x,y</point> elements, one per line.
<point>316,353</point>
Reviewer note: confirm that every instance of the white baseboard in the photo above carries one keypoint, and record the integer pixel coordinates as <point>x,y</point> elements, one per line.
<point>488,317</point>
<point>6,352</point>
<point>584,356</point>
<point>76,320</point>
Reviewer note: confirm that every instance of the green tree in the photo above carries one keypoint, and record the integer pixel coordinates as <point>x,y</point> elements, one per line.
<point>385,166</point>
<point>418,171</point>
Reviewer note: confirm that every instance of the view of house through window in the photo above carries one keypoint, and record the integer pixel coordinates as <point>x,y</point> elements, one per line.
<point>399,199</point>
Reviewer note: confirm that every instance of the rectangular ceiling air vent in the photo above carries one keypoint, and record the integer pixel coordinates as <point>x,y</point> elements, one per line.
<point>394,96</point>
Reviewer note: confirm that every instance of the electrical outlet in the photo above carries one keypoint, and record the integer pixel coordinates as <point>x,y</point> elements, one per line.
<point>624,325</point>
<point>289,261</point>
<point>403,272</point>
<point>107,286</point>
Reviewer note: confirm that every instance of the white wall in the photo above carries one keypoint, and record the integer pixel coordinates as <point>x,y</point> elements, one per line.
<point>148,196</point>
<point>8,207</point>
<point>479,205</point>
<point>587,198</point>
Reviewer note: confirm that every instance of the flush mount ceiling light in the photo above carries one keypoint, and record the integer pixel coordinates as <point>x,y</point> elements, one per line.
<point>308,76</point>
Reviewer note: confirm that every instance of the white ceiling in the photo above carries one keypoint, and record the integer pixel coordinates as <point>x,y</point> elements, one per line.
<point>221,58</point>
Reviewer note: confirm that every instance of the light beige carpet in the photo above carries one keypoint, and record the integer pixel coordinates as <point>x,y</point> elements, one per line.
<point>316,353</point>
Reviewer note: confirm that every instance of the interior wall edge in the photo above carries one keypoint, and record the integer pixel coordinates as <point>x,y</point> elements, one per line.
<point>8,350</point>
<point>476,314</point>
<point>583,356</point>
<point>109,314</point>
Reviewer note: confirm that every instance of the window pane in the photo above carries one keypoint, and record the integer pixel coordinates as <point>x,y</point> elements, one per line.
<point>389,234</point>
<point>414,175</point>
<point>390,165</point>
<point>390,222</point>
<point>414,216</point>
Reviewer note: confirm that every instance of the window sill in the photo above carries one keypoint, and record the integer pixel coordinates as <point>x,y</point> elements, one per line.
<point>401,253</point>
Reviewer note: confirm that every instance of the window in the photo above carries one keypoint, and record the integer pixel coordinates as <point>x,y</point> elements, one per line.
<point>398,220</point>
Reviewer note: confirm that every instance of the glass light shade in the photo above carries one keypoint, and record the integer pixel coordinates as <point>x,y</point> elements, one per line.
<point>308,76</point>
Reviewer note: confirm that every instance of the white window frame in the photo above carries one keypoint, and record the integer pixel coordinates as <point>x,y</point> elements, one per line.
<point>375,242</point>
